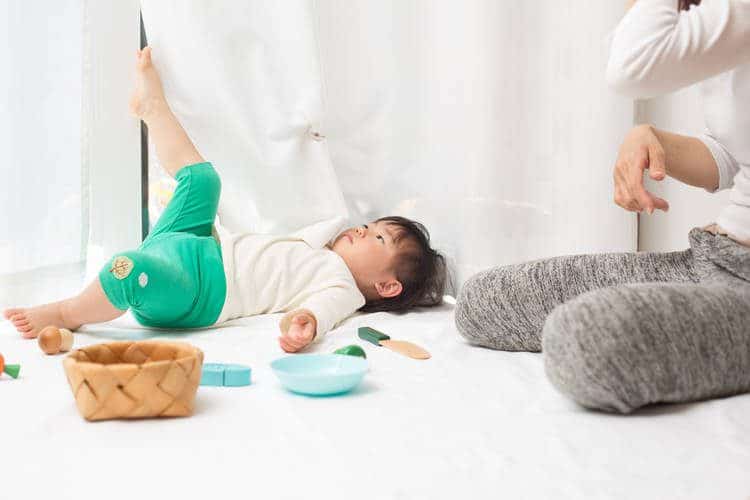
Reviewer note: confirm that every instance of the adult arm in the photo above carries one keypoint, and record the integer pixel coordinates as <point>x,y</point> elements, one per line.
<point>657,49</point>
<point>690,160</point>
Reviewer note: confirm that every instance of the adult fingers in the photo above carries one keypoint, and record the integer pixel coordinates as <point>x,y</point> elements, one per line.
<point>659,203</point>
<point>634,179</point>
<point>623,196</point>
<point>631,205</point>
<point>657,162</point>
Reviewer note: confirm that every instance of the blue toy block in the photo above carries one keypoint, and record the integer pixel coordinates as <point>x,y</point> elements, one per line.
<point>212,374</point>
<point>221,374</point>
<point>236,375</point>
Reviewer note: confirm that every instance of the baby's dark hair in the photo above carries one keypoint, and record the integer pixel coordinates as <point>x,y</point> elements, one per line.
<point>420,269</point>
<point>685,4</point>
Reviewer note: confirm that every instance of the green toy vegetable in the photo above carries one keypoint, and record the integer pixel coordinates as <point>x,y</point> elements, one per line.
<point>11,370</point>
<point>351,350</point>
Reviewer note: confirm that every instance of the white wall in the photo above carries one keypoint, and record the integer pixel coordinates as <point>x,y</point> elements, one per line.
<point>680,112</point>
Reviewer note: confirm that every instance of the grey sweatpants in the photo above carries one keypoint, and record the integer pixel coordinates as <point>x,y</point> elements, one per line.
<point>620,331</point>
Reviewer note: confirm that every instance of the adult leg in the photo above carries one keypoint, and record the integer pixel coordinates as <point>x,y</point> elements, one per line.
<point>620,348</point>
<point>505,308</point>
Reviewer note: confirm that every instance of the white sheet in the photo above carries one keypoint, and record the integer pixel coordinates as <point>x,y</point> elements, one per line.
<point>468,423</point>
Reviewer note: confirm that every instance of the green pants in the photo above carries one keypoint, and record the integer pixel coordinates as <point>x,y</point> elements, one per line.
<point>175,279</point>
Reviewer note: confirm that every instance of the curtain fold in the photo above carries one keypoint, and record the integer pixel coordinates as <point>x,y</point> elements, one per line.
<point>488,121</point>
<point>71,196</point>
<point>43,209</point>
<point>244,80</point>
<point>41,193</point>
<point>110,149</point>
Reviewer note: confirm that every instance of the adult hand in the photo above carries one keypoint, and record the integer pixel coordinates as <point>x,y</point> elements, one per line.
<point>640,151</point>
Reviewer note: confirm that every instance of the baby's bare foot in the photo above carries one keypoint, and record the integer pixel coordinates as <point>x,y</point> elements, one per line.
<point>30,321</point>
<point>147,98</point>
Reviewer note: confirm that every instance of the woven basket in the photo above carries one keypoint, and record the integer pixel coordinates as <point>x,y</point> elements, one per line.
<point>134,379</point>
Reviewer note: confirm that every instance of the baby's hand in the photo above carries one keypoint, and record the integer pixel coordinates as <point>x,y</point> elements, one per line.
<point>299,334</point>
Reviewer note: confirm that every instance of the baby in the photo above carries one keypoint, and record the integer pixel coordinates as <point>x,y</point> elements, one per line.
<point>190,272</point>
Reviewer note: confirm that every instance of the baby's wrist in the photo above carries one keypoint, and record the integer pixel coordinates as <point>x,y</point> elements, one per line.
<point>286,321</point>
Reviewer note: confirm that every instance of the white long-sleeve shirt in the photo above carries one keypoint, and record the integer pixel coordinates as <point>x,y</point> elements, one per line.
<point>657,49</point>
<point>267,274</point>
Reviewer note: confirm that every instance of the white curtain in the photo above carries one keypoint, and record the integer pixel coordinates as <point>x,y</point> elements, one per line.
<point>111,144</point>
<point>488,121</point>
<point>244,80</point>
<point>42,213</point>
<point>43,194</point>
<point>70,195</point>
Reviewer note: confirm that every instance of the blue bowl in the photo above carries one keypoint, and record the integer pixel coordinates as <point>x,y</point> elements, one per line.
<point>320,374</point>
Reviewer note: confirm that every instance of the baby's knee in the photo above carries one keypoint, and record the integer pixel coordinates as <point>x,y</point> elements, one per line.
<point>212,179</point>
<point>585,356</point>
<point>205,176</point>
<point>123,277</point>
<point>485,317</point>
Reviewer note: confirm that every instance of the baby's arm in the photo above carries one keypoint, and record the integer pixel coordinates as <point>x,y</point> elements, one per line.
<point>318,314</point>
<point>173,146</point>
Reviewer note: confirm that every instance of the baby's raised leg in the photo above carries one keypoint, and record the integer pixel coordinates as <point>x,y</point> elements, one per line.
<point>89,306</point>
<point>147,102</point>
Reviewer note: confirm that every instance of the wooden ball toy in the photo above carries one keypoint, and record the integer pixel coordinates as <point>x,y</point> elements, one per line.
<point>53,340</point>
<point>11,370</point>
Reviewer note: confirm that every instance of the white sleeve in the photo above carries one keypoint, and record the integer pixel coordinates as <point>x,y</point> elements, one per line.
<point>726,163</point>
<point>332,305</point>
<point>656,48</point>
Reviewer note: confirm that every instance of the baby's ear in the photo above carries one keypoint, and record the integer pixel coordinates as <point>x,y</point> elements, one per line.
<point>389,289</point>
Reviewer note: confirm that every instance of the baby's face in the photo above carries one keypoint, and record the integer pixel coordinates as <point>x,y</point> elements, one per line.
<point>369,251</point>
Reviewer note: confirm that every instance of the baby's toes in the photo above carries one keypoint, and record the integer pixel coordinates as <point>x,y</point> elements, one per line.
<point>28,332</point>
<point>9,313</point>
<point>20,321</point>
<point>18,317</point>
